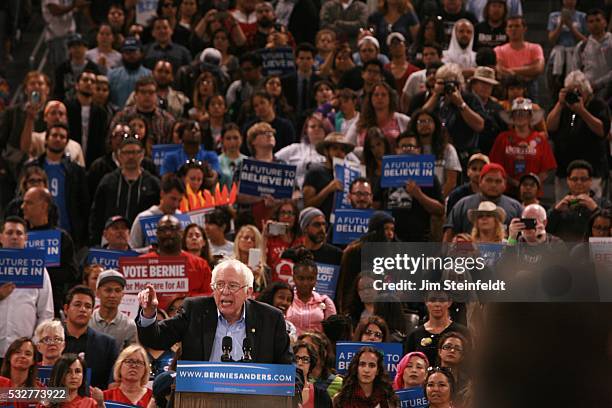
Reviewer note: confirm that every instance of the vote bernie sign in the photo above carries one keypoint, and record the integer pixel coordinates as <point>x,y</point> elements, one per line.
<point>397,170</point>
<point>23,267</point>
<point>327,279</point>
<point>259,178</point>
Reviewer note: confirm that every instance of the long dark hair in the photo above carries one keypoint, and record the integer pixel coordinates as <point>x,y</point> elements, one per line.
<point>438,138</point>
<point>368,157</point>
<point>295,230</point>
<point>12,349</point>
<point>367,118</point>
<point>388,307</point>
<point>325,352</point>
<point>605,213</point>
<point>439,31</point>
<point>351,381</point>
<point>205,251</point>
<point>356,305</point>
<point>280,102</point>
<point>60,369</point>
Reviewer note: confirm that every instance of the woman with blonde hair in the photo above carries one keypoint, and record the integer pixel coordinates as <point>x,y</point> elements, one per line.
<point>247,238</point>
<point>488,221</point>
<point>131,372</point>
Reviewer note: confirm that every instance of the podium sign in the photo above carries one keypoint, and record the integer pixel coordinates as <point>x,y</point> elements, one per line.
<point>235,378</point>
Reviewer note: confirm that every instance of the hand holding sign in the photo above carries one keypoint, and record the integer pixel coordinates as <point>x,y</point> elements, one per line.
<point>413,189</point>
<point>335,185</point>
<point>148,301</point>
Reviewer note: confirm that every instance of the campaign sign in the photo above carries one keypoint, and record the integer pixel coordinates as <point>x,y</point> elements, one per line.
<point>346,350</point>
<point>258,178</point>
<point>48,240</point>
<point>114,404</point>
<point>235,378</point>
<point>44,375</point>
<point>346,174</point>
<point>327,279</point>
<point>350,225</point>
<point>23,267</point>
<point>166,274</point>
<point>199,216</point>
<point>160,151</point>
<point>277,61</point>
<point>412,398</point>
<point>490,252</point>
<point>397,170</point>
<point>149,226</point>
<point>108,258</point>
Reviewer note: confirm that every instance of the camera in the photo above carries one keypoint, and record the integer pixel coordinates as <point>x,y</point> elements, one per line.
<point>277,228</point>
<point>450,87</point>
<point>530,223</point>
<point>572,97</point>
<point>35,97</point>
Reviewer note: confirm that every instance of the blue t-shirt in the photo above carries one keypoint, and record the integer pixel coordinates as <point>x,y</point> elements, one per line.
<point>566,38</point>
<point>57,187</point>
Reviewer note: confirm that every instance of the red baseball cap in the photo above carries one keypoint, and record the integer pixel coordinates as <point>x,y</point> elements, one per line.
<point>487,168</point>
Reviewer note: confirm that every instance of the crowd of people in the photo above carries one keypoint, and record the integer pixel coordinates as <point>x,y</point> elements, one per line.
<point>149,108</point>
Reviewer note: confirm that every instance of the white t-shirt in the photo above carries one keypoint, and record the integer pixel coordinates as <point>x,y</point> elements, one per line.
<point>85,112</point>
<point>57,26</point>
<point>113,58</point>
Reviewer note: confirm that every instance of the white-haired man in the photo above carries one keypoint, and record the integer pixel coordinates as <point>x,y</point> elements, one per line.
<point>205,321</point>
<point>531,227</point>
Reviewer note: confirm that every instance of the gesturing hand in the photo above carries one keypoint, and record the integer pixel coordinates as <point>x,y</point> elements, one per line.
<point>148,301</point>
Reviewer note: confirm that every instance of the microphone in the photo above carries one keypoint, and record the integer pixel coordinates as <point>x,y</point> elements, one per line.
<point>246,350</point>
<point>226,347</point>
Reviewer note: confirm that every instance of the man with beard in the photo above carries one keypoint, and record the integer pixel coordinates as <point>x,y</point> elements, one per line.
<point>67,73</point>
<point>453,11</point>
<point>86,119</point>
<point>460,49</point>
<point>100,350</point>
<point>36,202</point>
<point>169,99</point>
<point>191,138</point>
<point>169,237</point>
<point>360,194</point>
<point>492,186</point>
<point>159,122</point>
<point>492,31</point>
<point>67,183</point>
<point>108,319</point>
<point>125,191</point>
<point>164,48</point>
<point>313,224</point>
<point>122,80</point>
<point>266,22</point>
<point>172,192</point>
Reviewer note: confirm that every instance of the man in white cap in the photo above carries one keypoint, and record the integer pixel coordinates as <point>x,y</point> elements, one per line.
<point>108,319</point>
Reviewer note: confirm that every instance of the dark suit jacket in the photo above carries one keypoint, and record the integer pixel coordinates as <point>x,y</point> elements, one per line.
<point>100,354</point>
<point>290,89</point>
<point>98,121</point>
<point>195,327</point>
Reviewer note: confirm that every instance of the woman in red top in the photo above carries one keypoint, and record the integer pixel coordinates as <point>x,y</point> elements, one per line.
<point>522,150</point>
<point>131,372</point>
<point>68,372</point>
<point>19,367</point>
<point>276,242</point>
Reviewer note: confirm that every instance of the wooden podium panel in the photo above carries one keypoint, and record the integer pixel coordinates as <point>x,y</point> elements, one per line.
<point>210,400</point>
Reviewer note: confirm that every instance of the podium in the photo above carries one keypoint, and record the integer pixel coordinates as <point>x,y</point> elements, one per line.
<point>234,385</point>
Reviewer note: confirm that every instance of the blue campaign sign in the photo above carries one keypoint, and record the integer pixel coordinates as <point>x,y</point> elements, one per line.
<point>350,225</point>
<point>397,170</point>
<point>346,175</point>
<point>490,252</point>
<point>108,258</point>
<point>277,61</point>
<point>48,240</point>
<point>258,178</point>
<point>235,378</point>
<point>160,151</point>
<point>114,404</point>
<point>327,279</point>
<point>149,226</point>
<point>23,267</point>
<point>346,350</point>
<point>412,398</point>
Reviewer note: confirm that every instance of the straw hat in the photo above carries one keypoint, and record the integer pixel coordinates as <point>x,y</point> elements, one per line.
<point>485,74</point>
<point>487,207</point>
<point>334,138</point>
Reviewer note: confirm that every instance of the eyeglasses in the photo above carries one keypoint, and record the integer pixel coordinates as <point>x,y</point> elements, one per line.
<point>439,369</point>
<point>287,213</point>
<point>579,179</point>
<point>376,334</point>
<point>449,347</point>
<point>409,147</point>
<point>134,363</point>
<point>233,287</point>
<point>303,359</point>
<point>123,135</point>
<point>51,340</point>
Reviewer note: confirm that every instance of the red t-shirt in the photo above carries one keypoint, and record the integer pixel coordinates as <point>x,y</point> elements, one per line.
<point>7,383</point>
<point>275,248</point>
<point>198,274</point>
<point>116,395</point>
<point>508,57</point>
<point>520,156</point>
